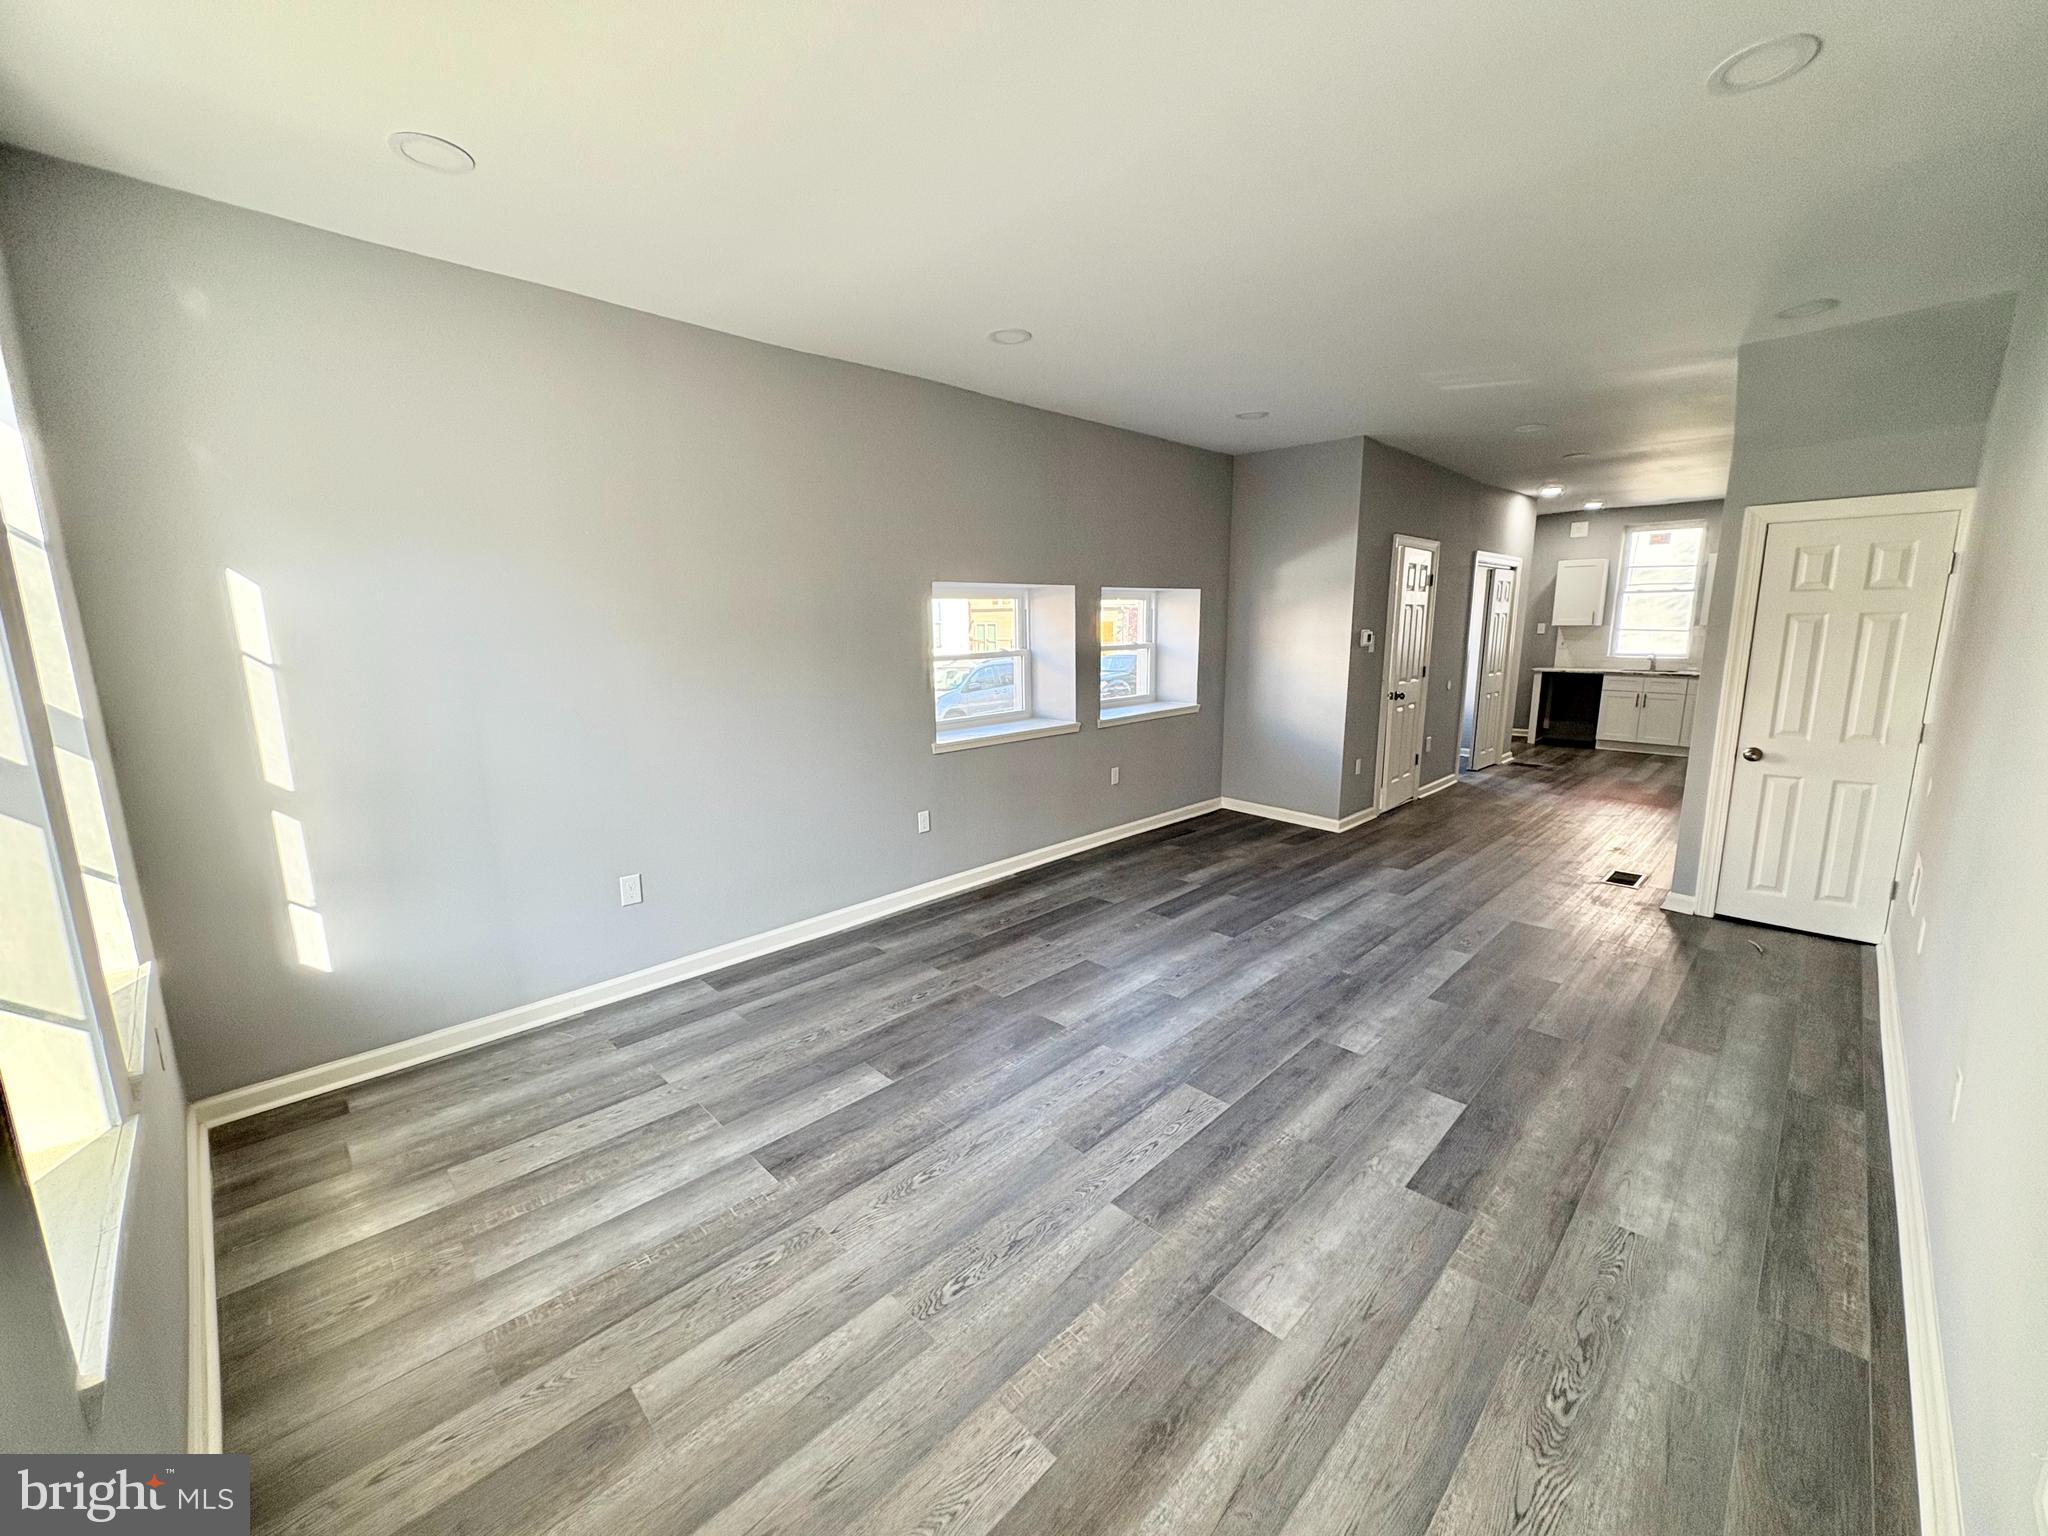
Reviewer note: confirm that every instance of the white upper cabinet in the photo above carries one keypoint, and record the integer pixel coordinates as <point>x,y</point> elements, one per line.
<point>1581,597</point>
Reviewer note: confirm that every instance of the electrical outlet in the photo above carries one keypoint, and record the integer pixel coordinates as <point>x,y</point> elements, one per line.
<point>1116,775</point>
<point>1357,767</point>
<point>629,890</point>
<point>924,821</point>
<point>1955,1098</point>
<point>1365,638</point>
<point>1542,629</point>
<point>1913,888</point>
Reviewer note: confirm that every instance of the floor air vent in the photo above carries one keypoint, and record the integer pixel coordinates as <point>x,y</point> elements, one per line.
<point>1624,877</point>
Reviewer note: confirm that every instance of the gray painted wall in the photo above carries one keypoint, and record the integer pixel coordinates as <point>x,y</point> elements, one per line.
<point>1400,493</point>
<point>142,1404</point>
<point>1293,544</point>
<point>1971,999</point>
<point>1603,541</point>
<point>560,592</point>
<point>1886,406</point>
<point>1312,539</point>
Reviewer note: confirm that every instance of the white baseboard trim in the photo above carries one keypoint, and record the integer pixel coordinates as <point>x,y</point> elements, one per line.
<point>1681,902</point>
<point>1300,818</point>
<point>202,1336</point>
<point>1934,1443</point>
<point>237,1103</point>
<point>1281,813</point>
<point>1439,786</point>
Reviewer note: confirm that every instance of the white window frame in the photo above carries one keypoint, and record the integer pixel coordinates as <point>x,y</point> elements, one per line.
<point>39,780</point>
<point>1621,591</point>
<point>81,1204</point>
<point>1020,655</point>
<point>1149,646</point>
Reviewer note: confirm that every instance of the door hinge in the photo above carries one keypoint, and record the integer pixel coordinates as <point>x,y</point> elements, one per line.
<point>1895,890</point>
<point>1923,732</point>
<point>1432,580</point>
<point>1955,559</point>
<point>1418,759</point>
<point>1425,671</point>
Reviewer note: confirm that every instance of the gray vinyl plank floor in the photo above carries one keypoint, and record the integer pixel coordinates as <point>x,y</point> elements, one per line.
<point>1232,1178</point>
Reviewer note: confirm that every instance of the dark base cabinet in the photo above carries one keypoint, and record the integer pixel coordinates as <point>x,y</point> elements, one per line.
<point>1571,709</point>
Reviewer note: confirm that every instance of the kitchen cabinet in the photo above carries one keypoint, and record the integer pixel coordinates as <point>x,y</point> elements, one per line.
<point>1646,711</point>
<point>1580,596</point>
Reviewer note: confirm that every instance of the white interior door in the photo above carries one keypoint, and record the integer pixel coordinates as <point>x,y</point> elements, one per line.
<point>1848,611</point>
<point>1489,734</point>
<point>1408,625</point>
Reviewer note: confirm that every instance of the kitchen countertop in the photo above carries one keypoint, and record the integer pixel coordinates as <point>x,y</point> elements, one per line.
<point>1627,671</point>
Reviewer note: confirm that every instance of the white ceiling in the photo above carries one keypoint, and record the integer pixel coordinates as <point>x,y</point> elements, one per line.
<point>1426,221</point>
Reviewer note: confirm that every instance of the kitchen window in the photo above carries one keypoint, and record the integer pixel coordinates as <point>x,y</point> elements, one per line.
<point>1658,603</point>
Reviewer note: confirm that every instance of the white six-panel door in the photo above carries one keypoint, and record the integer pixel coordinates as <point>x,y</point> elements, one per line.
<point>1407,681</point>
<point>1848,612</point>
<point>1490,731</point>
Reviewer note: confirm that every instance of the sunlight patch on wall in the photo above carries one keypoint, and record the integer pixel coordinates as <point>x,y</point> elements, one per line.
<point>266,715</point>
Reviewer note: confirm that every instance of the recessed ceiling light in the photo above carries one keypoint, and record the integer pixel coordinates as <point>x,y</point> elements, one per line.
<point>436,154</point>
<point>1551,491</point>
<point>1253,415</point>
<point>1531,429</point>
<point>1595,506</point>
<point>1765,63</point>
<point>1809,309</point>
<point>1012,337</point>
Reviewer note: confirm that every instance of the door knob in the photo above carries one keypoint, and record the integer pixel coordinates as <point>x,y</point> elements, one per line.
<point>1752,754</point>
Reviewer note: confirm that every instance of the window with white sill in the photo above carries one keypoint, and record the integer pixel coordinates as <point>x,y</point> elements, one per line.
<point>1001,662</point>
<point>1150,652</point>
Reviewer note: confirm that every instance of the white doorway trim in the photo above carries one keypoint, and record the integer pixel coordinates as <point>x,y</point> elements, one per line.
<point>1435,547</point>
<point>1756,523</point>
<point>1474,659</point>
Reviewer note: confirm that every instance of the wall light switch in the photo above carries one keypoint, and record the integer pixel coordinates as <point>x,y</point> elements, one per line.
<point>1428,742</point>
<point>629,890</point>
<point>1357,767</point>
<point>1116,775</point>
<point>924,821</point>
<point>1580,530</point>
<point>1542,629</point>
